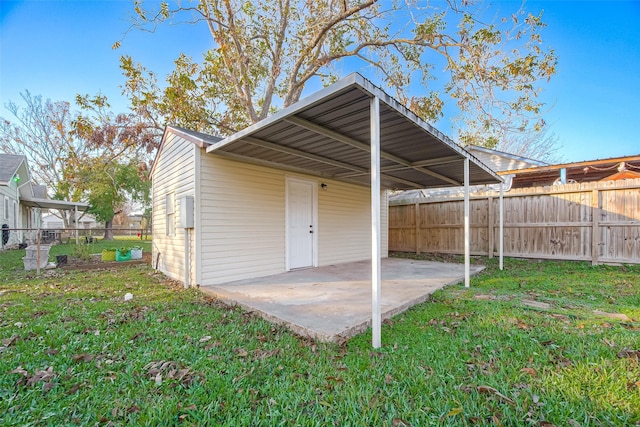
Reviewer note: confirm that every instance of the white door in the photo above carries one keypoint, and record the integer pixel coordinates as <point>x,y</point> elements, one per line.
<point>300,223</point>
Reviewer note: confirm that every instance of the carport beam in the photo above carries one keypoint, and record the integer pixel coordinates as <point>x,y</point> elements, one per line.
<point>376,312</point>
<point>466,222</point>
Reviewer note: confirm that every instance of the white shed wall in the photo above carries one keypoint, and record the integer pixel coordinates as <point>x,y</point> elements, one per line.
<point>243,221</point>
<point>174,172</point>
<point>345,223</point>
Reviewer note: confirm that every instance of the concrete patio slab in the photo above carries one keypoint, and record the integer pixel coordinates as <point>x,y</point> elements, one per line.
<point>333,303</point>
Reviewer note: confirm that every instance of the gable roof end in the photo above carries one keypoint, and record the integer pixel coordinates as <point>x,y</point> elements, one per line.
<point>9,165</point>
<point>202,140</point>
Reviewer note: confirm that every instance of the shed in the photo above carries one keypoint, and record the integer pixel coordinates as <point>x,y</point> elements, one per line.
<point>303,188</point>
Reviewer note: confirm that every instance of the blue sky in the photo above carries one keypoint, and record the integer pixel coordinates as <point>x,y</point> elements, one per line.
<point>58,49</point>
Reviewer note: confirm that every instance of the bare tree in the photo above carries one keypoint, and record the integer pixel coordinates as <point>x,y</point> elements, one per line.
<point>264,53</point>
<point>542,146</point>
<point>89,155</point>
<point>41,131</point>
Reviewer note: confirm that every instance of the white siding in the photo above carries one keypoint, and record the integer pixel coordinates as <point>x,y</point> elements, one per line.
<point>9,195</point>
<point>174,172</point>
<point>243,221</point>
<point>344,223</point>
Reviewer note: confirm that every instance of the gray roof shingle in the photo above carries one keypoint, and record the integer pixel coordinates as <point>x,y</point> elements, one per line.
<point>9,164</point>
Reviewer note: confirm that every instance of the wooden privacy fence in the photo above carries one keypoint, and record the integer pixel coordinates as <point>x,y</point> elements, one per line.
<point>597,222</point>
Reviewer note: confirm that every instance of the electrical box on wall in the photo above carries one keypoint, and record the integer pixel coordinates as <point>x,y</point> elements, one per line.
<point>186,212</point>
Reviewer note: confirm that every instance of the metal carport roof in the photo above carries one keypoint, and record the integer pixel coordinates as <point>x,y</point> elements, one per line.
<point>353,131</point>
<point>328,135</point>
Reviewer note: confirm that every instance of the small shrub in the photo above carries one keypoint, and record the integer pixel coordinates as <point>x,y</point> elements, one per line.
<point>82,252</point>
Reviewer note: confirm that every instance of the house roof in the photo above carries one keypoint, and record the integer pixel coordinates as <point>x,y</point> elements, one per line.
<point>624,174</point>
<point>53,204</point>
<point>585,171</point>
<point>9,165</point>
<point>504,154</point>
<point>328,135</point>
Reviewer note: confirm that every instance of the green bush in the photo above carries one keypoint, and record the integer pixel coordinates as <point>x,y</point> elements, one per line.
<point>82,252</point>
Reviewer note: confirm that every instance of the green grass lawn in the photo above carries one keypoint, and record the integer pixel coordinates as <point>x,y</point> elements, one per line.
<point>73,352</point>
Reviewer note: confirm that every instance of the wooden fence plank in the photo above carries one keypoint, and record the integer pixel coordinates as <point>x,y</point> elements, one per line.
<point>595,233</point>
<point>598,221</point>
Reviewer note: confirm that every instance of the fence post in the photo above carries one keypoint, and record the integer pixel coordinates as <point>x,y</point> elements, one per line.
<point>490,225</point>
<point>595,226</point>
<point>75,224</point>
<point>418,236</point>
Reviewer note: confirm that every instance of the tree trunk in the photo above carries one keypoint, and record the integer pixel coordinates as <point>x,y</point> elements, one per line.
<point>108,230</point>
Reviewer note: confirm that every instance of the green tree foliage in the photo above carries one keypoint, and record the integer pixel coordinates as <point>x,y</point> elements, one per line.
<point>264,53</point>
<point>112,185</point>
<point>115,170</point>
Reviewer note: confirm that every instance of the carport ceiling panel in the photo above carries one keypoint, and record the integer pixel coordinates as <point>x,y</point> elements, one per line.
<point>258,153</point>
<point>413,175</point>
<point>292,136</point>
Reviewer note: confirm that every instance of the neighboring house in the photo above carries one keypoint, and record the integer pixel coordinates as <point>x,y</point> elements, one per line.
<point>130,221</point>
<point>615,168</point>
<point>85,221</point>
<point>504,164</point>
<point>294,190</point>
<point>50,221</point>
<point>501,161</point>
<point>16,185</point>
<point>520,172</point>
<point>23,201</point>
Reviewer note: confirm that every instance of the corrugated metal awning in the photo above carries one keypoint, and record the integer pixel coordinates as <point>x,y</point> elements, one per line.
<point>328,135</point>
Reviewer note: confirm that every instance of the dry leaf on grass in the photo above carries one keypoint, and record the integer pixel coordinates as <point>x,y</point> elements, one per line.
<point>529,371</point>
<point>83,357</point>
<point>169,371</point>
<point>609,342</point>
<point>492,391</point>
<point>631,354</point>
<point>75,388</point>
<point>398,422</point>
<point>8,342</point>
<point>39,376</point>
